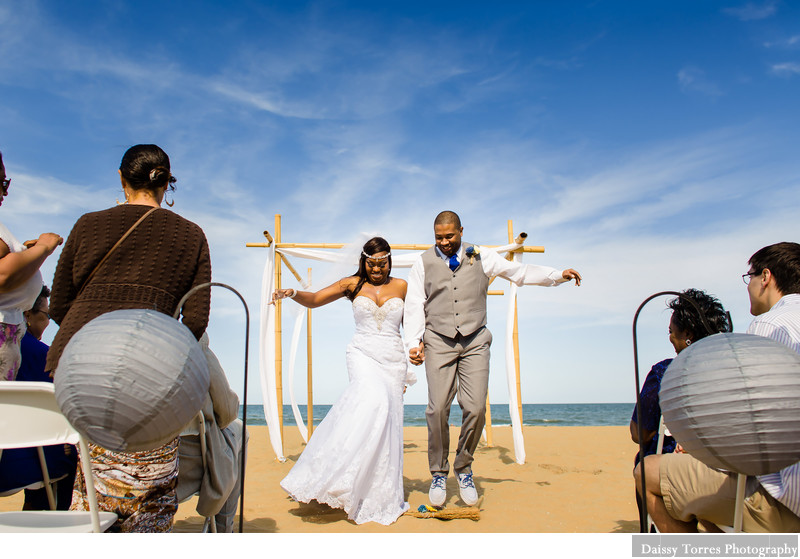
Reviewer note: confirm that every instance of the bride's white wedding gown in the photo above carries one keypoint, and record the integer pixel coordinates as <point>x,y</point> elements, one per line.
<point>354,459</point>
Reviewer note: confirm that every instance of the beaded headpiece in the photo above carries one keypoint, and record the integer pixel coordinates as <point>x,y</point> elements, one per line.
<point>384,257</point>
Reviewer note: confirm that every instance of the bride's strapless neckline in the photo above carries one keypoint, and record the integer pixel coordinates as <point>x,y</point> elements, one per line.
<point>364,306</point>
<point>374,302</point>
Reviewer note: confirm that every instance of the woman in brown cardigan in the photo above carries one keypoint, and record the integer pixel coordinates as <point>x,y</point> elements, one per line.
<point>159,262</point>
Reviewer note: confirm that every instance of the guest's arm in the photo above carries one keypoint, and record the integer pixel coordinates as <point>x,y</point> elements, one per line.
<point>224,400</point>
<point>17,267</point>
<point>648,435</point>
<point>648,400</point>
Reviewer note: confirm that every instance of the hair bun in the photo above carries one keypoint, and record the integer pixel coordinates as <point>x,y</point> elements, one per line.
<point>157,174</point>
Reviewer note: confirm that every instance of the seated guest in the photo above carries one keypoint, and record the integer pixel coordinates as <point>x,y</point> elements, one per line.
<point>137,255</point>
<point>219,484</point>
<point>685,327</point>
<point>20,467</point>
<point>20,284</point>
<point>682,491</point>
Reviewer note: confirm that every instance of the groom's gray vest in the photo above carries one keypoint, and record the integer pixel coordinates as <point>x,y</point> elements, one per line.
<point>455,302</point>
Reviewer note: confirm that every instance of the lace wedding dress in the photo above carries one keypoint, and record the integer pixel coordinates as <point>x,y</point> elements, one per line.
<point>354,460</point>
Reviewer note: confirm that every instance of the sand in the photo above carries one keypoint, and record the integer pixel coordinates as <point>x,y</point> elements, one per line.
<point>575,479</point>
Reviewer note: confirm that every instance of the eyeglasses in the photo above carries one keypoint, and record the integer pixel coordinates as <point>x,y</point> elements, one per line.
<point>47,314</point>
<point>746,277</point>
<point>6,184</point>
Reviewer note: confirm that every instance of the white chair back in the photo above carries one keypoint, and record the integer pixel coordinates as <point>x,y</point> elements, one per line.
<point>30,416</point>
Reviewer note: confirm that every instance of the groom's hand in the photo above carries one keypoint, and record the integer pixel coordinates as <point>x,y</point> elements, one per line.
<point>571,274</point>
<point>417,354</point>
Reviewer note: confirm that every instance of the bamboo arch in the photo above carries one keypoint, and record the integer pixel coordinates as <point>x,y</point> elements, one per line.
<point>514,249</point>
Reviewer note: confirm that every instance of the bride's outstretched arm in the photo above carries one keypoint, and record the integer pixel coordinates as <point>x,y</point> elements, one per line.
<point>314,299</point>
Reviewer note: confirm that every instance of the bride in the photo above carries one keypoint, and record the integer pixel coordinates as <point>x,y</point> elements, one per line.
<point>354,460</point>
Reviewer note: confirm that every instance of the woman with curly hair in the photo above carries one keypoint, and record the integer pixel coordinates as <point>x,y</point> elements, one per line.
<point>685,328</point>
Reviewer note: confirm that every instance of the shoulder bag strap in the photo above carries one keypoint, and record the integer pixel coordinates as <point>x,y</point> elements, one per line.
<point>119,242</point>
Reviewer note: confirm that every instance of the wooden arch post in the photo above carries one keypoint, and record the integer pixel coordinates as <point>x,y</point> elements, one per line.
<point>309,383</point>
<point>515,334</point>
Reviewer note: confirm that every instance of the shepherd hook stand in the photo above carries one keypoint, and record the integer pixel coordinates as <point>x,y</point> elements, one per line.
<point>244,395</point>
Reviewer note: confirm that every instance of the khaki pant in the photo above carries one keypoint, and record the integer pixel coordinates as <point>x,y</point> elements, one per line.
<point>456,366</point>
<point>692,491</point>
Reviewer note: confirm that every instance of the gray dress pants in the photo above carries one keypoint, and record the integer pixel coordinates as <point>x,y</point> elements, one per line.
<point>456,366</point>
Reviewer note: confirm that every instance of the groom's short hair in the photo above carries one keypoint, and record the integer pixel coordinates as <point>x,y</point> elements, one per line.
<point>446,217</point>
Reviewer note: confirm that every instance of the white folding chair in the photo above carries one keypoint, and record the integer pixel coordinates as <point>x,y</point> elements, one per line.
<point>197,426</point>
<point>46,482</point>
<point>29,416</point>
<point>662,432</point>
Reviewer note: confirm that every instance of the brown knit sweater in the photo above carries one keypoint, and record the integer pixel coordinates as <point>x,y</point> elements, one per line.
<point>164,257</point>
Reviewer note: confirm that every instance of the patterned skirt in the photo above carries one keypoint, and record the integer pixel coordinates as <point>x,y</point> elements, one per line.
<point>138,486</point>
<point>10,337</point>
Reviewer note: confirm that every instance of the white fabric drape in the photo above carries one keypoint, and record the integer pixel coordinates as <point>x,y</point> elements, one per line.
<point>398,260</point>
<point>266,355</point>
<point>511,375</point>
<point>298,419</point>
<point>267,346</point>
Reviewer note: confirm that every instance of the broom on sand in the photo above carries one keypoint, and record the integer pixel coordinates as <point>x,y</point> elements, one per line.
<point>425,511</point>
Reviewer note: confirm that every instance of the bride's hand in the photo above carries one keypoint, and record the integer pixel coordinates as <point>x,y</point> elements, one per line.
<point>279,294</point>
<point>417,354</point>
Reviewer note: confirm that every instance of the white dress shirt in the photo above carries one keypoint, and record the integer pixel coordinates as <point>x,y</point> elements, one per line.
<point>493,265</point>
<point>13,303</point>
<point>782,324</point>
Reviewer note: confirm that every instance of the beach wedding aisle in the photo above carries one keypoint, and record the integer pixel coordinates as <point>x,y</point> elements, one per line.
<point>576,479</point>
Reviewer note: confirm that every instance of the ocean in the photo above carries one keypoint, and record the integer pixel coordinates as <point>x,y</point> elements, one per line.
<point>553,415</point>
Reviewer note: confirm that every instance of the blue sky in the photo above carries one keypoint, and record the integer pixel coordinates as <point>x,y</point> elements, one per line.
<point>651,146</point>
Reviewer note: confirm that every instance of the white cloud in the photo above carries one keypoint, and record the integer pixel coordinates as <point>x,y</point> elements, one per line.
<point>693,79</point>
<point>785,69</point>
<point>783,43</point>
<point>753,11</point>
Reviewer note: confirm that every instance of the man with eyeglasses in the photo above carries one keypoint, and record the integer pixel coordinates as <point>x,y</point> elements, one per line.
<point>773,284</point>
<point>682,490</point>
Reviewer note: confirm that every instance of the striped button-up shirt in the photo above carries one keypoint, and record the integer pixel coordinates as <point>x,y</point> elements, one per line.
<point>782,324</point>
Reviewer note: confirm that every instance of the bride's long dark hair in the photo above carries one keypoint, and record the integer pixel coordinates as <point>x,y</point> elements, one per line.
<point>372,246</point>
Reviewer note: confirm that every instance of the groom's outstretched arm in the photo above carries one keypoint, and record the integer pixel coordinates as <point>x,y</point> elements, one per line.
<point>525,274</point>
<point>414,313</point>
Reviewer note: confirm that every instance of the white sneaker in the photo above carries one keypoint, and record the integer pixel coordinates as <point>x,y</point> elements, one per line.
<point>438,492</point>
<point>466,488</point>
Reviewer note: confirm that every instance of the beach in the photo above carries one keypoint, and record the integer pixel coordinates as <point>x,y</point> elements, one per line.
<point>575,480</point>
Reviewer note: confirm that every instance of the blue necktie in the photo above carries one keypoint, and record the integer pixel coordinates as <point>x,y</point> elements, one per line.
<point>454,262</point>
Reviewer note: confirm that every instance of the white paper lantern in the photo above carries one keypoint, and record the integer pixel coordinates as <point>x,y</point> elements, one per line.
<point>733,402</point>
<point>130,380</point>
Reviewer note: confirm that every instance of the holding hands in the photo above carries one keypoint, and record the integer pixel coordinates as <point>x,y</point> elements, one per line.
<point>417,354</point>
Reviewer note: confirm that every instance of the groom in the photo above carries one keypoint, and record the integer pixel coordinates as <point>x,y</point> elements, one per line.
<point>445,326</point>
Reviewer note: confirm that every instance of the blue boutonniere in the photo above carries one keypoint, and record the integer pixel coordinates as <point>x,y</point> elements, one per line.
<point>471,252</point>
